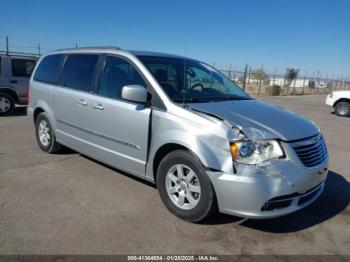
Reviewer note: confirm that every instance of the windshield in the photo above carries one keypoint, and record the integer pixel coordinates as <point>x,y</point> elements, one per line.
<point>186,80</point>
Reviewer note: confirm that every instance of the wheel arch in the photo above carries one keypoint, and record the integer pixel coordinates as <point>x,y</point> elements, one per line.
<point>10,92</point>
<point>341,100</point>
<point>42,106</point>
<point>169,147</point>
<point>162,152</point>
<point>37,111</point>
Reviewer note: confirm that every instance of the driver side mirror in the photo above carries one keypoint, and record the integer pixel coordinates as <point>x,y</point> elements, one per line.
<point>135,93</point>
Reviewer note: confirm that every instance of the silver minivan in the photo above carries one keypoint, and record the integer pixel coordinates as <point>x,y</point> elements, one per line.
<point>182,125</point>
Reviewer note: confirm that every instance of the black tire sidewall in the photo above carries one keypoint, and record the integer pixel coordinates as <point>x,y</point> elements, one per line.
<point>43,116</point>
<point>12,105</point>
<point>339,105</point>
<point>207,202</point>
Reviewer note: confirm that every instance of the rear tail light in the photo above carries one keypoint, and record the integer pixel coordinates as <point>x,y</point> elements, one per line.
<point>26,99</point>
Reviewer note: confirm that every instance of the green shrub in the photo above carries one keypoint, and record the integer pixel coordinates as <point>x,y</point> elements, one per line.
<point>274,90</point>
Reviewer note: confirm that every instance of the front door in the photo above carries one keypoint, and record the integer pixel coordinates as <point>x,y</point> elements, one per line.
<point>120,127</point>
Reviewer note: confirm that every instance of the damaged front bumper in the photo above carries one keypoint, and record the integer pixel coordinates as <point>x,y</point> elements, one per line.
<point>278,188</point>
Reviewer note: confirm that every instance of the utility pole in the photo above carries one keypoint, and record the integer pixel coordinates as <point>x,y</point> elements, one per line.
<point>273,82</point>
<point>39,50</point>
<point>230,72</point>
<point>304,81</point>
<point>7,45</point>
<point>76,45</point>
<point>261,82</point>
<point>245,76</point>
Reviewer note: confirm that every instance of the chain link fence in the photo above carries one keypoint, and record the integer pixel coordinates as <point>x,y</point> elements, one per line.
<point>265,84</point>
<point>277,84</point>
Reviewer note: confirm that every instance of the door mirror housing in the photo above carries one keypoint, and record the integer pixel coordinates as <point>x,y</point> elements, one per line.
<point>135,93</point>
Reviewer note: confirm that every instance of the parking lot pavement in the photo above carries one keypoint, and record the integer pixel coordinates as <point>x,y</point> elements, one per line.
<point>70,204</point>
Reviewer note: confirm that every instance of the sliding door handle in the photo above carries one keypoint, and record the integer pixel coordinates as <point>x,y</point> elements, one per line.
<point>98,107</point>
<point>82,102</point>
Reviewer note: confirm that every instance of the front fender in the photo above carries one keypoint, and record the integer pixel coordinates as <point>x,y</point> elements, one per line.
<point>210,144</point>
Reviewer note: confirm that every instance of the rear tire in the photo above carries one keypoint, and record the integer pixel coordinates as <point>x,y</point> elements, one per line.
<point>45,135</point>
<point>7,104</point>
<point>343,109</point>
<point>185,187</point>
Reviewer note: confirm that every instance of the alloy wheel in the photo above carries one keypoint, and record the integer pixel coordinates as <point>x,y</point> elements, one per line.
<point>44,133</point>
<point>182,186</point>
<point>5,104</point>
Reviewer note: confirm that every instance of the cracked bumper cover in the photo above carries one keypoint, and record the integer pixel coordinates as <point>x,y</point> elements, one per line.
<point>246,192</point>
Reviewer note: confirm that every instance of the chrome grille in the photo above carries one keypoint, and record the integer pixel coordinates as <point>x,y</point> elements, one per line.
<point>311,151</point>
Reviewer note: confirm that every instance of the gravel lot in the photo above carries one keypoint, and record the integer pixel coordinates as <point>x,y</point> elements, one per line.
<point>70,204</point>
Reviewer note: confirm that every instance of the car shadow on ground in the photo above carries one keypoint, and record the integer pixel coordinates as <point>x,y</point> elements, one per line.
<point>334,199</point>
<point>120,172</point>
<point>18,111</point>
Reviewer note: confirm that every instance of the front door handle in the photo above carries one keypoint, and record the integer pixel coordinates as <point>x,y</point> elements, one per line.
<point>82,102</point>
<point>98,107</point>
<point>14,81</point>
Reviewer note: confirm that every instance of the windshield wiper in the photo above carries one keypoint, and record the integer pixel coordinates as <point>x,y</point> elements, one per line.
<point>228,97</point>
<point>209,99</point>
<point>192,99</point>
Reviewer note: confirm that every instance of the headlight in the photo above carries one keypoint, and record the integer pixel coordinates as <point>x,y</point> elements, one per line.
<point>255,152</point>
<point>331,95</point>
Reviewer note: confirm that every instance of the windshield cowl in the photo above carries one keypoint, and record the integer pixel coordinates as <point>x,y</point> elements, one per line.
<point>209,99</point>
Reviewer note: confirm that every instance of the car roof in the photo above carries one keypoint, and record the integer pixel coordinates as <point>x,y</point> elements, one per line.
<point>150,53</point>
<point>19,55</point>
<point>113,49</point>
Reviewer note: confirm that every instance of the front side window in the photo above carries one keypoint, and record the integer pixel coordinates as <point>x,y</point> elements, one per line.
<point>22,67</point>
<point>78,71</point>
<point>186,80</point>
<point>166,75</point>
<point>117,73</point>
<point>48,68</point>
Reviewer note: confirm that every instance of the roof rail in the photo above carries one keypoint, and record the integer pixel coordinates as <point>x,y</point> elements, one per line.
<point>11,53</point>
<point>89,47</point>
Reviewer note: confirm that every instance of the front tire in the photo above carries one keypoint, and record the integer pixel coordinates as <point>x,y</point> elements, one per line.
<point>45,135</point>
<point>7,104</point>
<point>185,187</point>
<point>343,109</point>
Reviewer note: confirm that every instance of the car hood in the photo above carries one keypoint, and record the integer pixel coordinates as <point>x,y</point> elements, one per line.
<point>347,92</point>
<point>260,120</point>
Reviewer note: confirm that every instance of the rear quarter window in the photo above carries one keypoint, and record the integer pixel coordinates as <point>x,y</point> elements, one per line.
<point>48,69</point>
<point>22,67</point>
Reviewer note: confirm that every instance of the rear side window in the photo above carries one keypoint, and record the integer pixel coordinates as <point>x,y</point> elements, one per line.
<point>78,71</point>
<point>22,67</point>
<point>48,68</point>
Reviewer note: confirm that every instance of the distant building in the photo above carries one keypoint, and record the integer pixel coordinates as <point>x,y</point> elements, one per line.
<point>321,84</point>
<point>302,83</point>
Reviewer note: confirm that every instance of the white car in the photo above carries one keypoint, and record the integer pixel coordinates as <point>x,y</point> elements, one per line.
<point>340,100</point>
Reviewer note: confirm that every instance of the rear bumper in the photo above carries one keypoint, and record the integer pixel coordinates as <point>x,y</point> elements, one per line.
<point>30,113</point>
<point>265,192</point>
<point>22,100</point>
